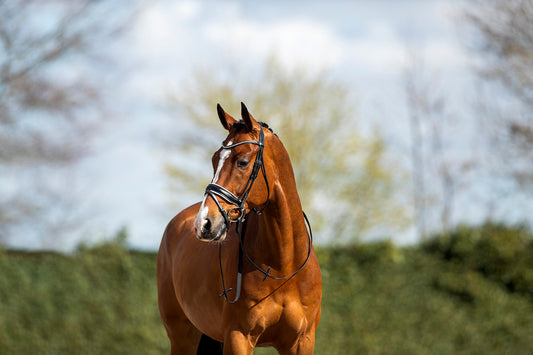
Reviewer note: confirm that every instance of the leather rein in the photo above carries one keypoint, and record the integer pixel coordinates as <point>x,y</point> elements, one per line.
<point>215,190</point>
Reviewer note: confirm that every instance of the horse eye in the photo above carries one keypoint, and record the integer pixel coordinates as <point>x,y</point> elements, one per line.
<point>241,163</point>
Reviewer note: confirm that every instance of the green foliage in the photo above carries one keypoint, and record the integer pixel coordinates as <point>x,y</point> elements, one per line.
<point>100,300</point>
<point>502,254</point>
<point>437,298</point>
<point>379,299</point>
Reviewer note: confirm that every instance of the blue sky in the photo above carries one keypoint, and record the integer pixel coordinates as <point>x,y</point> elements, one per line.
<point>366,44</point>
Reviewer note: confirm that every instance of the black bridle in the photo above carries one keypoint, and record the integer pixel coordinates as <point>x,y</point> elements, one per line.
<point>213,190</point>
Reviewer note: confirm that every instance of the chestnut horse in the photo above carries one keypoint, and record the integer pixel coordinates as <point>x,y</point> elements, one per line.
<point>242,270</point>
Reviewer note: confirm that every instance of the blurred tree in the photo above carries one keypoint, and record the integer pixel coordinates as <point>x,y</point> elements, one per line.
<point>418,104</point>
<point>346,181</point>
<point>504,36</point>
<point>50,102</point>
<point>438,174</point>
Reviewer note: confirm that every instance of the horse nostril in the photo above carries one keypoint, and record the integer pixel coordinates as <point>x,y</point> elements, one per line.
<point>207,225</point>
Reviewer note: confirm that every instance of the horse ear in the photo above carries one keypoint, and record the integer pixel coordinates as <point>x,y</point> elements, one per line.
<point>247,118</point>
<point>226,120</point>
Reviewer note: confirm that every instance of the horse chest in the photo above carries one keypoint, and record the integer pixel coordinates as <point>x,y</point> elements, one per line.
<point>275,309</point>
<point>293,318</point>
<point>274,323</point>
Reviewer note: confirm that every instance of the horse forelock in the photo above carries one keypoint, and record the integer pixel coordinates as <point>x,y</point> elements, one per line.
<point>240,126</point>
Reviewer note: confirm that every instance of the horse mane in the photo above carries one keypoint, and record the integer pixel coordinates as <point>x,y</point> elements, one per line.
<point>241,125</point>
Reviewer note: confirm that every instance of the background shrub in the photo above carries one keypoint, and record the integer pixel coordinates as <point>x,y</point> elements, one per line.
<point>449,295</point>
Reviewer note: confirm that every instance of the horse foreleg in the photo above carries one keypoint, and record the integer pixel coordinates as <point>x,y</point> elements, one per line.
<point>304,346</point>
<point>235,342</point>
<point>184,337</point>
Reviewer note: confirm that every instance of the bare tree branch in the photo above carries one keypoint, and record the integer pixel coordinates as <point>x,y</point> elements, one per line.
<point>504,37</point>
<point>46,117</point>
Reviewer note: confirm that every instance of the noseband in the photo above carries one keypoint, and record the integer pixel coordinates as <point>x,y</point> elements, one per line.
<point>215,190</point>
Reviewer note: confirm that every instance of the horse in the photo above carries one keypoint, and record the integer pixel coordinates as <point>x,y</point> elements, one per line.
<point>249,232</point>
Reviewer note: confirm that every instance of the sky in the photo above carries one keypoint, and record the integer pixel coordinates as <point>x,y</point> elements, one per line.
<point>365,44</point>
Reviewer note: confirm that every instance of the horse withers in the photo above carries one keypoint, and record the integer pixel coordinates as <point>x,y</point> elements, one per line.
<point>239,267</point>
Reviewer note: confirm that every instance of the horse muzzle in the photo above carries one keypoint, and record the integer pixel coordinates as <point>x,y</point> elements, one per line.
<point>209,227</point>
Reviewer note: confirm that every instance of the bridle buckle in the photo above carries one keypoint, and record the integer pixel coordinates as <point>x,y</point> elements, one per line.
<point>236,214</point>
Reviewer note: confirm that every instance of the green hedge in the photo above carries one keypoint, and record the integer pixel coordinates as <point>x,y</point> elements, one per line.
<point>502,254</point>
<point>98,301</point>
<point>465,292</point>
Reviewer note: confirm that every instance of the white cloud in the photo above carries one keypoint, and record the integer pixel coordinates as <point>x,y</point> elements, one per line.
<point>154,31</point>
<point>377,57</point>
<point>445,55</point>
<point>179,36</point>
<point>186,10</point>
<point>295,43</point>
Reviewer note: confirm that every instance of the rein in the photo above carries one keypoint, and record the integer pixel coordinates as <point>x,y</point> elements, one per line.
<point>214,190</point>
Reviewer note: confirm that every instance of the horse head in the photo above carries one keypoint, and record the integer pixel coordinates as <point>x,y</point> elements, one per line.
<point>236,188</point>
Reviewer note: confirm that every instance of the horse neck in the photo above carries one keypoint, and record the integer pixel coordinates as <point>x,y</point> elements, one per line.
<point>282,238</point>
